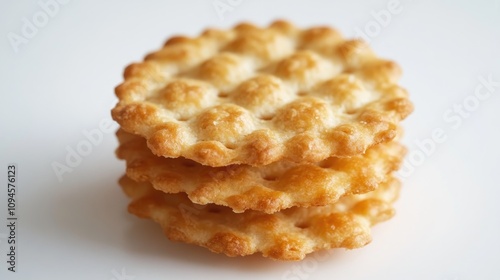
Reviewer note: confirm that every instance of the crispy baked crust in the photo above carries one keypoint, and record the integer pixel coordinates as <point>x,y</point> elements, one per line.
<point>286,235</point>
<point>268,188</point>
<point>255,96</point>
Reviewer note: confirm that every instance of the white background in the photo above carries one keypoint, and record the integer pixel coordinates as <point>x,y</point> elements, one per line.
<point>61,82</point>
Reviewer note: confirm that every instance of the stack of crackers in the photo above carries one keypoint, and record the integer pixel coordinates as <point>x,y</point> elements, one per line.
<point>275,140</point>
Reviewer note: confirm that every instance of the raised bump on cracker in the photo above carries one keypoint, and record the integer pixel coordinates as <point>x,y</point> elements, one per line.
<point>286,235</point>
<point>268,188</point>
<point>255,96</point>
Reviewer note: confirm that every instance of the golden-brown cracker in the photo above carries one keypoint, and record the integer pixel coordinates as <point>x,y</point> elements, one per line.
<point>253,95</point>
<point>268,188</point>
<point>286,235</point>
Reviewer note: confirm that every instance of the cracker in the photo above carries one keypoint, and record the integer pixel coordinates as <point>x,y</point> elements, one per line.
<point>270,188</point>
<point>255,96</point>
<point>286,235</point>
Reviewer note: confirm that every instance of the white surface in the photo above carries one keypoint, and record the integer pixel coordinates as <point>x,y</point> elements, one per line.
<point>61,83</point>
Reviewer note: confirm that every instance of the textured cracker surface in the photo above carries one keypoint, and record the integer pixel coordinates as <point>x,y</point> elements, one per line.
<point>268,188</point>
<point>286,235</point>
<point>252,95</point>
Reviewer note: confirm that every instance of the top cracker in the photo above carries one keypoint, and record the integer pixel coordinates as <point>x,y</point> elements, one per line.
<point>254,96</point>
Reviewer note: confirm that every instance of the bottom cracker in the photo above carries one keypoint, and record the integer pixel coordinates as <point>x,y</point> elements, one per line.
<point>286,235</point>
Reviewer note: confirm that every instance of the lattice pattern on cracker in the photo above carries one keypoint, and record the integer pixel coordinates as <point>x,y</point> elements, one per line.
<point>285,235</point>
<point>268,188</point>
<point>254,96</point>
